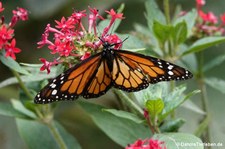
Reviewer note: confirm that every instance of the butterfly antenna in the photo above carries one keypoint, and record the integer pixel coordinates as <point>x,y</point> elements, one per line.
<point>120,42</point>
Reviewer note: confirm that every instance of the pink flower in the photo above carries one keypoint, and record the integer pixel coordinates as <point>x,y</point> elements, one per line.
<point>11,49</point>
<point>222,17</point>
<point>92,19</point>
<point>146,144</point>
<point>114,16</point>
<point>7,41</point>
<point>72,42</point>
<point>1,8</point>
<point>5,33</point>
<point>200,2</point>
<point>79,15</point>
<point>114,39</point>
<point>208,17</point>
<point>65,24</point>
<point>19,14</point>
<point>85,56</point>
<point>47,65</point>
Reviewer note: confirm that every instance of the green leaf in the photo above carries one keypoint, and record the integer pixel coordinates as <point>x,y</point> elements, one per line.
<point>190,19</point>
<point>179,34</point>
<point>154,107</point>
<point>145,35</point>
<point>8,110</point>
<point>12,64</point>
<point>38,135</point>
<point>216,83</point>
<point>153,13</point>
<point>172,125</point>
<point>204,43</point>
<point>125,115</point>
<point>162,32</point>
<point>17,104</point>
<point>178,141</point>
<point>193,107</point>
<point>120,130</point>
<point>28,78</point>
<point>175,99</point>
<point>216,61</point>
<point>154,91</point>
<point>132,43</point>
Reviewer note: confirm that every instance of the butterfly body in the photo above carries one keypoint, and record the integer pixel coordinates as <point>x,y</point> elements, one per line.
<point>121,69</point>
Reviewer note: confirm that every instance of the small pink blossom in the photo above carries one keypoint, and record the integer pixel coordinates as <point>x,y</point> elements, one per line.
<point>11,49</point>
<point>85,56</point>
<point>65,24</point>
<point>146,144</point>
<point>222,17</point>
<point>19,14</point>
<point>114,16</point>
<point>114,39</point>
<point>200,2</point>
<point>47,65</point>
<point>208,17</point>
<point>79,15</point>
<point>1,8</point>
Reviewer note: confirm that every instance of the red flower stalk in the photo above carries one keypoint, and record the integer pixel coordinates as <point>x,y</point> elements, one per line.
<point>146,144</point>
<point>7,42</point>
<point>72,42</point>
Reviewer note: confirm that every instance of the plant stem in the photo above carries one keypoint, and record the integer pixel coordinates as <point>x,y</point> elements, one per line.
<point>204,100</point>
<point>156,125</point>
<point>56,135</point>
<point>23,87</point>
<point>130,102</point>
<point>150,125</point>
<point>166,5</point>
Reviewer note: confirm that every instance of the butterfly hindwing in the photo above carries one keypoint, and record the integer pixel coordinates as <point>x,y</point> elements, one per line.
<point>127,76</point>
<point>100,82</point>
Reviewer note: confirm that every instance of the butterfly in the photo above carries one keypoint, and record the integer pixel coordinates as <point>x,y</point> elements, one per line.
<point>94,76</point>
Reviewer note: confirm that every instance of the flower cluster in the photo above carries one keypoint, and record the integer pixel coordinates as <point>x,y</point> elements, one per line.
<point>146,144</point>
<point>7,42</point>
<point>207,23</point>
<point>72,42</point>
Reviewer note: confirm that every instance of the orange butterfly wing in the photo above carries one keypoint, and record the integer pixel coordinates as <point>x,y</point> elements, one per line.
<point>70,84</point>
<point>100,81</point>
<point>133,71</point>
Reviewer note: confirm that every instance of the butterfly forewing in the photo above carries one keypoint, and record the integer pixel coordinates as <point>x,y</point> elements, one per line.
<point>70,84</point>
<point>155,69</point>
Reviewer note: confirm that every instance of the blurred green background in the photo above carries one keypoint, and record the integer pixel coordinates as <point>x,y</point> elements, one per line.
<point>72,117</point>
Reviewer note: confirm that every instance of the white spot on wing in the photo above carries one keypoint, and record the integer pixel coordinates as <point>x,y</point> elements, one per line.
<point>170,73</point>
<point>54,92</point>
<point>170,67</point>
